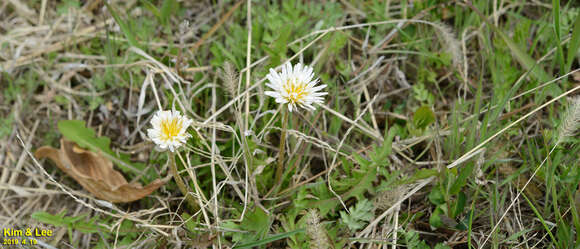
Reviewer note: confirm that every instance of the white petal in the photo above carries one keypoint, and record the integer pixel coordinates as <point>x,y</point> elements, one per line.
<point>281,100</point>
<point>297,69</point>
<point>272,94</point>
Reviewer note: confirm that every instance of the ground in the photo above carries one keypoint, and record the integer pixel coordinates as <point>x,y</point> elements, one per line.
<point>447,124</point>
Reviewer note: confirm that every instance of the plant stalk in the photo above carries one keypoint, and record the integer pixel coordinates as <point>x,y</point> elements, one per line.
<point>281,151</point>
<point>182,187</point>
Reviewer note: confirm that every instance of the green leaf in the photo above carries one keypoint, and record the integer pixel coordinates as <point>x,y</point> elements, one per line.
<point>441,246</point>
<point>423,117</point>
<point>67,5</point>
<point>560,50</point>
<point>435,219</point>
<point>364,183</point>
<point>123,25</point>
<point>86,226</point>
<point>413,241</point>
<point>257,222</point>
<point>270,239</point>
<point>71,222</point>
<point>190,223</point>
<point>523,58</point>
<point>574,43</point>
<point>380,154</point>
<point>279,47</point>
<point>461,180</point>
<point>459,204</point>
<point>436,197</point>
<point>149,6</point>
<point>55,220</point>
<point>361,160</point>
<point>361,214</point>
<point>168,7</point>
<point>422,174</point>
<point>75,130</point>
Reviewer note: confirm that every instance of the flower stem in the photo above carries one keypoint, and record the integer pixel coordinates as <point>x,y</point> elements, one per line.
<point>281,152</point>
<point>180,183</point>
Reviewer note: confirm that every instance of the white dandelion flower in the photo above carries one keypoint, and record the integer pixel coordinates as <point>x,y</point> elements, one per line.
<point>169,129</point>
<point>295,87</point>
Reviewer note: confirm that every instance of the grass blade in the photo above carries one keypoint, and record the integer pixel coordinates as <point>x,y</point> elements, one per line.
<point>548,230</point>
<point>560,51</point>
<point>123,25</point>
<point>574,43</point>
<point>166,9</point>
<point>523,58</point>
<point>151,7</point>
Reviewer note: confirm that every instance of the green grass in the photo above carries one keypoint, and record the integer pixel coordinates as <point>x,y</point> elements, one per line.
<point>427,104</point>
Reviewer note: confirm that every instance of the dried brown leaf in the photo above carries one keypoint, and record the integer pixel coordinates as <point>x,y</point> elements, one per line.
<point>95,173</point>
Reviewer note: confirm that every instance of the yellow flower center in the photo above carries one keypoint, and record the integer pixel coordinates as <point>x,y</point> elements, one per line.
<point>170,128</point>
<point>295,90</point>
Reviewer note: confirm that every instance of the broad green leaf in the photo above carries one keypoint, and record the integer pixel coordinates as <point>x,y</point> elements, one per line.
<point>359,215</point>
<point>423,117</point>
<point>436,197</point>
<point>75,130</point>
<point>435,219</point>
<point>365,183</point>
<point>256,222</point>
<point>55,220</point>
